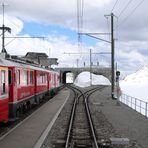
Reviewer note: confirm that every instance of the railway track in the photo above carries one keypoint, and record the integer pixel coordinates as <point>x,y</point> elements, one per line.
<point>81,131</point>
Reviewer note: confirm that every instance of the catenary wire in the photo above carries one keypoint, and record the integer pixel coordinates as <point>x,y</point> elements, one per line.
<point>126,6</point>
<point>114,5</point>
<point>131,13</point>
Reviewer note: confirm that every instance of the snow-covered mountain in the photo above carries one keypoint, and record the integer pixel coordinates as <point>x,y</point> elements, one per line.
<point>141,76</point>
<point>136,84</point>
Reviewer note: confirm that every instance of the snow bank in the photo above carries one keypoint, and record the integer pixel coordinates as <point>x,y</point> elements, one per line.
<point>139,77</point>
<point>136,84</point>
<point>83,80</point>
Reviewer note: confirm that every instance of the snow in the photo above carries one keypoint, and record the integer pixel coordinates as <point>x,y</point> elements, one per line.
<point>83,80</point>
<point>136,84</point>
<point>139,77</point>
<point>69,78</point>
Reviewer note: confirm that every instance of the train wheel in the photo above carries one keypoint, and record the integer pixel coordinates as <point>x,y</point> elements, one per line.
<point>18,113</point>
<point>24,108</point>
<point>28,105</point>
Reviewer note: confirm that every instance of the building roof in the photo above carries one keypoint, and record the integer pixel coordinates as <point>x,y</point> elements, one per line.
<point>35,55</point>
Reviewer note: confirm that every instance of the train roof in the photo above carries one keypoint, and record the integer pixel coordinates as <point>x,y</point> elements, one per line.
<point>9,63</point>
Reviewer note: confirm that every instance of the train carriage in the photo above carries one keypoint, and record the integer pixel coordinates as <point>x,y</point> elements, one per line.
<point>41,84</point>
<point>22,88</point>
<point>53,81</point>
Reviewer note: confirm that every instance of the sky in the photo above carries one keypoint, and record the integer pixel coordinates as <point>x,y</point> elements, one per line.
<point>56,21</point>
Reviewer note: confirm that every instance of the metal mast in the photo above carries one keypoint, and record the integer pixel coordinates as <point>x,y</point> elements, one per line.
<point>4,29</point>
<point>113,53</point>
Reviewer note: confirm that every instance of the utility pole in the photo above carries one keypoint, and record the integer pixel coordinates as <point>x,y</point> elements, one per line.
<point>112,48</point>
<point>4,29</point>
<point>90,67</point>
<point>112,55</point>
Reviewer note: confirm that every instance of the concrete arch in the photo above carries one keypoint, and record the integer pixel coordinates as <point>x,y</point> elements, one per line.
<point>105,71</point>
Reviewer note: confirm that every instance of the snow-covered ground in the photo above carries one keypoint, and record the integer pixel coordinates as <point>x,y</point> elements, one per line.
<point>83,80</point>
<point>136,84</point>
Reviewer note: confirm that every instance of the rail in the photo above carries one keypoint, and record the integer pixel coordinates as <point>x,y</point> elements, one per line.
<point>136,104</point>
<point>88,115</point>
<point>91,122</point>
<point>72,115</point>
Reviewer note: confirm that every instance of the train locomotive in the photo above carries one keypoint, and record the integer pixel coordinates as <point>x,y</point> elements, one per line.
<point>23,85</point>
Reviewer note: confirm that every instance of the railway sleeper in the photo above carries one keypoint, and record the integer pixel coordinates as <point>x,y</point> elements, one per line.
<point>81,130</point>
<point>82,144</point>
<point>81,137</point>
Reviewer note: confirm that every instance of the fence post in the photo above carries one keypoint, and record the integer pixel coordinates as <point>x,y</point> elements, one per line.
<point>146,109</point>
<point>131,102</point>
<point>135,103</point>
<point>140,106</point>
<point>126,100</point>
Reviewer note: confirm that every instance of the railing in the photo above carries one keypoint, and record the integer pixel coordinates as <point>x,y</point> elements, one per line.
<point>136,104</point>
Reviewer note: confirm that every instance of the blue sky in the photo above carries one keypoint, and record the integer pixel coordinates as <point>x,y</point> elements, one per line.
<point>43,30</point>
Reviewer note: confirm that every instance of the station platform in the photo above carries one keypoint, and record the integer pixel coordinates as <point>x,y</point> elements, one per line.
<point>127,122</point>
<point>34,128</point>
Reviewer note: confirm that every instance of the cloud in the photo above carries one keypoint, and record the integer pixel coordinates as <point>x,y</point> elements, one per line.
<point>15,23</point>
<point>130,30</point>
<point>53,45</point>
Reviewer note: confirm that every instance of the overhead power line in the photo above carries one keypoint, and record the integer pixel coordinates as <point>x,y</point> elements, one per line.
<point>126,6</point>
<point>114,5</point>
<point>131,13</point>
<point>80,7</point>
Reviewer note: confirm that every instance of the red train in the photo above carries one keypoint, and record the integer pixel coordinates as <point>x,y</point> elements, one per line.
<point>21,86</point>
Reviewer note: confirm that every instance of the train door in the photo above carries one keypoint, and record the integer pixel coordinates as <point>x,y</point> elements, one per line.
<point>48,81</point>
<point>10,83</point>
<point>35,81</point>
<point>3,94</point>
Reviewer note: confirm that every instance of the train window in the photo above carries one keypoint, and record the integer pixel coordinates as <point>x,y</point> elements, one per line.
<point>18,77</point>
<point>42,78</point>
<point>31,77</point>
<point>3,81</point>
<point>25,77</point>
<point>45,79</point>
<point>54,77</point>
<point>51,78</point>
<point>39,79</point>
<point>9,77</point>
